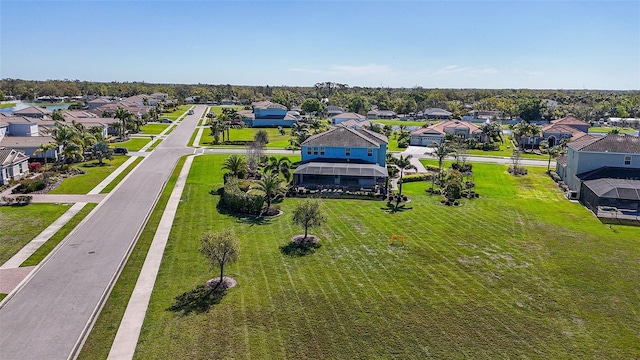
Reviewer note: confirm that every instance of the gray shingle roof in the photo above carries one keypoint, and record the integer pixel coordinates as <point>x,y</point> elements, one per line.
<point>341,136</point>
<point>610,143</point>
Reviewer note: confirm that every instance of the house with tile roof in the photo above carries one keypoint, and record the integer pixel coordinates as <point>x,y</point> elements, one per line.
<point>14,165</point>
<point>343,157</point>
<point>572,122</point>
<point>332,110</point>
<point>435,134</point>
<point>592,158</point>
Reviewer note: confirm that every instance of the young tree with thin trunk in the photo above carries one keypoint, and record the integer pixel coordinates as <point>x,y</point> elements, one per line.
<point>220,248</point>
<point>308,214</point>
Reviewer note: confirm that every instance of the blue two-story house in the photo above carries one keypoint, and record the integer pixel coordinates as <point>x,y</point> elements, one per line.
<point>343,157</point>
<point>268,114</point>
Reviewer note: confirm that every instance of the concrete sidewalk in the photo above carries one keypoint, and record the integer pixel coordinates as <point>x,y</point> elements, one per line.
<point>126,340</point>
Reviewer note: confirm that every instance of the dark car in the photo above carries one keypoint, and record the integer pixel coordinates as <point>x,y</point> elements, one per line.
<point>165,121</point>
<point>121,150</point>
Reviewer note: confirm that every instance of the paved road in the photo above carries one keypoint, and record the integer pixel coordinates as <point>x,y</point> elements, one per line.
<point>48,317</point>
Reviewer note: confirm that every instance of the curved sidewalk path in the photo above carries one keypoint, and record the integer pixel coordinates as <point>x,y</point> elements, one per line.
<point>52,311</point>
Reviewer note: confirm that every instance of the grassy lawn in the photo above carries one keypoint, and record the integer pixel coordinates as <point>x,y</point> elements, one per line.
<point>153,129</point>
<point>276,141</point>
<point>82,184</point>
<point>520,272</point>
<point>104,331</point>
<point>21,224</point>
<point>176,114</point>
<point>604,129</point>
<point>400,122</point>
<point>133,144</point>
<point>217,109</point>
<point>46,248</point>
<point>122,175</point>
<point>10,105</point>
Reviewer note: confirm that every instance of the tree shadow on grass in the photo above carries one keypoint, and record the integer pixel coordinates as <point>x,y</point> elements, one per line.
<point>394,208</point>
<point>198,300</point>
<point>245,218</point>
<point>297,249</point>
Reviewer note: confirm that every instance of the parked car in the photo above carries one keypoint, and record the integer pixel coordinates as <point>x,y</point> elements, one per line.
<point>121,150</point>
<point>190,112</point>
<point>165,121</point>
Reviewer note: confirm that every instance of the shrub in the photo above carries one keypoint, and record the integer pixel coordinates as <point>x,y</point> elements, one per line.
<point>403,144</point>
<point>432,168</point>
<point>23,200</point>
<point>236,200</point>
<point>416,177</point>
<point>34,166</point>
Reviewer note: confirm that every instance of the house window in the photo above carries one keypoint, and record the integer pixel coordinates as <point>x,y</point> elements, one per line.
<point>20,166</point>
<point>321,151</point>
<point>627,160</point>
<point>347,152</point>
<point>369,152</point>
<point>315,151</point>
<point>308,150</point>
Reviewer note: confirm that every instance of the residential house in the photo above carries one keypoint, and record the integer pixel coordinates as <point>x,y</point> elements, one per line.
<point>337,119</point>
<point>344,158</point>
<point>98,102</point>
<point>333,110</point>
<point>355,124</point>
<point>435,134</point>
<point>566,128</point>
<point>14,165</point>
<point>573,122</point>
<point>4,128</point>
<point>381,115</point>
<point>436,114</point>
<point>29,144</point>
<point>34,112</point>
<point>603,157</point>
<point>268,114</point>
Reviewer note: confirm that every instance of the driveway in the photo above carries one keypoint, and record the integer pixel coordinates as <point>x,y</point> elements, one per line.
<point>49,315</point>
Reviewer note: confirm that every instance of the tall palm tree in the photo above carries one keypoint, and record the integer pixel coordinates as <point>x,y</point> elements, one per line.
<point>123,115</point>
<point>271,184</point>
<point>69,138</point>
<point>235,164</point>
<point>403,163</point>
<point>553,151</point>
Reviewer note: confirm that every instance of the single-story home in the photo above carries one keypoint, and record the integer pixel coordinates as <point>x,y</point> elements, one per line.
<point>14,165</point>
<point>435,134</point>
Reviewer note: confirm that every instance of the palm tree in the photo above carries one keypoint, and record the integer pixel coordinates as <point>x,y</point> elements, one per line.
<point>101,150</point>
<point>553,151</point>
<point>533,130</point>
<point>123,115</point>
<point>403,163</point>
<point>441,152</point>
<point>315,125</point>
<point>44,149</point>
<point>69,138</point>
<point>216,127</point>
<point>280,166</point>
<point>235,164</point>
<point>271,184</point>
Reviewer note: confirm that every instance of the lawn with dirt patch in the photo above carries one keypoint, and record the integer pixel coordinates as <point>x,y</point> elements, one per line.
<point>520,272</point>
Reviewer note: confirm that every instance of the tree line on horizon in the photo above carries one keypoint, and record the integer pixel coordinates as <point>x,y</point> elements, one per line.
<point>588,105</point>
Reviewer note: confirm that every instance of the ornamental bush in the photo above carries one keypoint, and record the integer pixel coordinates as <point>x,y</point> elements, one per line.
<point>238,201</point>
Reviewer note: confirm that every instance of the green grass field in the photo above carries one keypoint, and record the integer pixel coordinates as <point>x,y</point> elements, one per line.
<point>9,105</point>
<point>176,114</point>
<point>153,129</point>
<point>50,244</point>
<point>520,272</point>
<point>82,184</point>
<point>21,224</point>
<point>604,129</point>
<point>276,141</point>
<point>133,144</point>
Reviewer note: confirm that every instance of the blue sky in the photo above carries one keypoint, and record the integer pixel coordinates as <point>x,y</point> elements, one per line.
<point>453,44</point>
